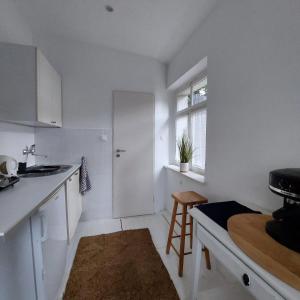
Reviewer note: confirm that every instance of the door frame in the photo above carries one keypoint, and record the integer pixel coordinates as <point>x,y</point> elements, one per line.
<point>113,147</point>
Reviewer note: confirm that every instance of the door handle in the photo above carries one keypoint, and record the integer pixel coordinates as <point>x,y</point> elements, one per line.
<point>120,150</point>
<point>44,228</point>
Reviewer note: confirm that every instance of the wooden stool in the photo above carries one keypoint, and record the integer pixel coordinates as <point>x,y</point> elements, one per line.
<point>186,199</point>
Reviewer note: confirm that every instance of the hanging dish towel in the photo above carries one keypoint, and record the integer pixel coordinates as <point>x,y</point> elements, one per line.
<point>85,183</point>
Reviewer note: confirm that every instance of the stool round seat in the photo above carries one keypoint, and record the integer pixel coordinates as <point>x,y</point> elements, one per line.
<point>189,198</point>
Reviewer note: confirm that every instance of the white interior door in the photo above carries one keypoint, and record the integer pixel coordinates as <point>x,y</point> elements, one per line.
<point>133,144</point>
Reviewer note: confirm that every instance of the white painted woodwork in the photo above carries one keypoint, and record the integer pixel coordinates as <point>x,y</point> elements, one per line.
<point>50,240</point>
<point>197,257</point>
<point>74,203</point>
<point>37,234</point>
<point>48,92</point>
<point>30,87</point>
<point>133,121</point>
<point>16,264</point>
<point>263,285</point>
<point>55,243</point>
<point>54,212</point>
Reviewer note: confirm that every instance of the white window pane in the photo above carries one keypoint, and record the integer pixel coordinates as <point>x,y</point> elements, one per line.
<point>183,99</point>
<point>181,128</point>
<point>199,91</point>
<point>198,127</point>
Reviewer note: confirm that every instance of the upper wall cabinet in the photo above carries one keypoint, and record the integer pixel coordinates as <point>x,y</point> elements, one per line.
<point>30,88</point>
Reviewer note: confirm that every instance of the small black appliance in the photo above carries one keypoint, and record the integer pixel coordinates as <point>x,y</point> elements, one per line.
<point>285,227</point>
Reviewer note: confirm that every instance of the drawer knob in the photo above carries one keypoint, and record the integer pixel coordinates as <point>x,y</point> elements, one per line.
<point>246,279</point>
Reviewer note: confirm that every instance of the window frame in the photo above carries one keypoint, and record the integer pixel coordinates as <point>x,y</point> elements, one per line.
<point>188,112</point>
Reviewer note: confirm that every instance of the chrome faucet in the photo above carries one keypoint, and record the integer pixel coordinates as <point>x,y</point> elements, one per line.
<point>31,150</point>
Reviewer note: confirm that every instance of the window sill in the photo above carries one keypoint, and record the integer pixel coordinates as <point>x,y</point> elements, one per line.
<point>192,175</point>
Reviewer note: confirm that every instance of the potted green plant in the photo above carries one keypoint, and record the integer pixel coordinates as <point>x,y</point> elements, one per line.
<point>185,148</point>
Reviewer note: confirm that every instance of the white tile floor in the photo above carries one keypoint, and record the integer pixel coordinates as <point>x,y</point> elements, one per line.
<point>213,285</point>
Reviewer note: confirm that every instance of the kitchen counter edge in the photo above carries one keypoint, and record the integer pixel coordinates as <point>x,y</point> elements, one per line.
<point>52,191</point>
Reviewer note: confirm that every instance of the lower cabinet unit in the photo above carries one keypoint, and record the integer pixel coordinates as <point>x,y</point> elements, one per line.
<point>50,242</point>
<point>53,227</point>
<point>74,203</point>
<point>34,254</point>
<point>16,264</point>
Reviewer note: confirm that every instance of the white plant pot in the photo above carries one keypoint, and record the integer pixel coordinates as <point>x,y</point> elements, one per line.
<point>184,167</point>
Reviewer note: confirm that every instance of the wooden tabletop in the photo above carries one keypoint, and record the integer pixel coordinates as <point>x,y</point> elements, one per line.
<point>248,233</point>
<point>189,198</point>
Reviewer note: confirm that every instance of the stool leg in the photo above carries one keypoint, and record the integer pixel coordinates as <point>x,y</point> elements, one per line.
<point>207,258</point>
<point>172,226</point>
<point>191,229</point>
<point>182,240</point>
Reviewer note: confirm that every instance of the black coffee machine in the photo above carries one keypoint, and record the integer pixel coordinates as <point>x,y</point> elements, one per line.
<point>285,228</point>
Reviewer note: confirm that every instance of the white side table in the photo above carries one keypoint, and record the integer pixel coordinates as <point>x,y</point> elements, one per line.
<point>261,284</point>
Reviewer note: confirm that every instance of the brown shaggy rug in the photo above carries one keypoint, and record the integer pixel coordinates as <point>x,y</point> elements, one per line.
<point>119,266</point>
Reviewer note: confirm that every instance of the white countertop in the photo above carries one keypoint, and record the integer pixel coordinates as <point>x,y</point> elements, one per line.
<point>27,196</point>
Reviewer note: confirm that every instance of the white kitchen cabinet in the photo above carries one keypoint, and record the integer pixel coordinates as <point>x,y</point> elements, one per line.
<point>48,92</point>
<point>16,264</point>
<point>31,89</point>
<point>74,203</point>
<point>50,242</point>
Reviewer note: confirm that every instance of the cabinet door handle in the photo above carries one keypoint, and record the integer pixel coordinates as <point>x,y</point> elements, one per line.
<point>53,122</point>
<point>246,279</point>
<point>44,229</point>
<point>76,173</point>
<point>70,179</point>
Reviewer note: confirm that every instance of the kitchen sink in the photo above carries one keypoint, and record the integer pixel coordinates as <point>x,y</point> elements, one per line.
<point>43,170</point>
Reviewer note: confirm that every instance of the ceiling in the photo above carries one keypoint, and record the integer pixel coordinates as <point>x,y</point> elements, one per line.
<point>155,28</point>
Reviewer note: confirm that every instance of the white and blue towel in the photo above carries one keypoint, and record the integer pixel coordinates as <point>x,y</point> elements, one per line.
<point>85,183</point>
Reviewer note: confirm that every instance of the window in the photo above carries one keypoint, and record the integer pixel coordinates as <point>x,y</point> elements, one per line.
<point>191,114</point>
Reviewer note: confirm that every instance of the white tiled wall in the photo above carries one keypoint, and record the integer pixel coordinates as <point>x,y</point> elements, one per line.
<point>66,146</point>
<point>13,139</point>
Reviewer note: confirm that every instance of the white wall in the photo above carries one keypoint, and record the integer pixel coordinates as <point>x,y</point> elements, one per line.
<point>90,73</point>
<point>13,29</point>
<point>253,50</point>
<point>14,138</point>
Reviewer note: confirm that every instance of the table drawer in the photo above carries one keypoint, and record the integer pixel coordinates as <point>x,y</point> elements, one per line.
<point>259,288</point>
